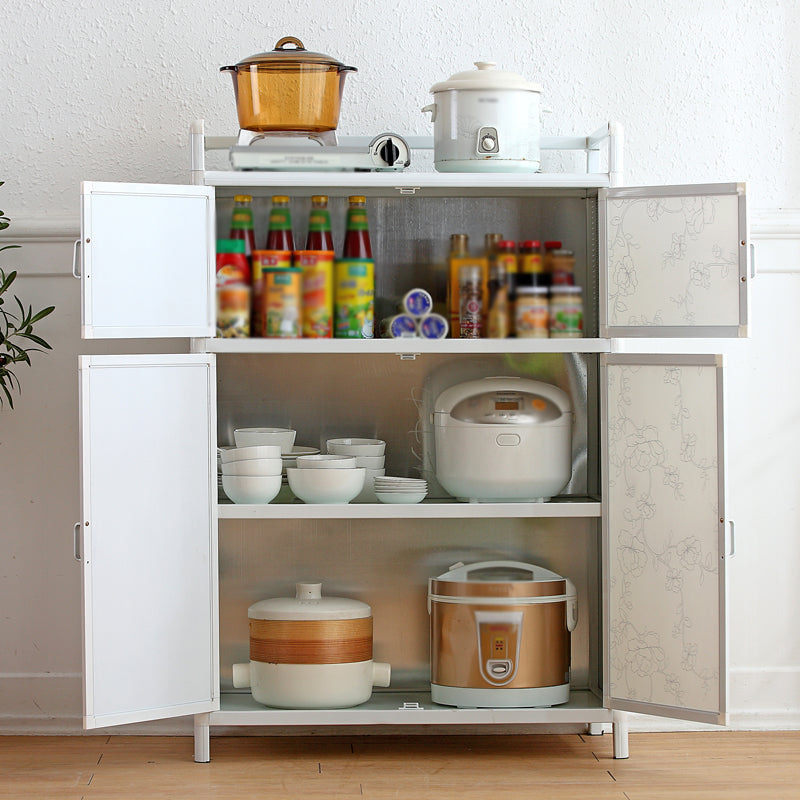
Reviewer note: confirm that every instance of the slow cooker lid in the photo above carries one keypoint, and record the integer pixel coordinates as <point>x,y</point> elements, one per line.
<point>488,78</point>
<point>308,603</point>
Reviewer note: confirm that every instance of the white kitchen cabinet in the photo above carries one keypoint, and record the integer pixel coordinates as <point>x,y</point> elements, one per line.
<point>641,529</point>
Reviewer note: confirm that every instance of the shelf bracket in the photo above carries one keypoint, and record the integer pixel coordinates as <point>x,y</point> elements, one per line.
<point>408,356</point>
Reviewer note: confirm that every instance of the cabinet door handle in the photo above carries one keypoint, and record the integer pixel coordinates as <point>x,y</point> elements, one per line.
<point>732,552</point>
<point>75,268</point>
<point>752,261</point>
<point>76,541</point>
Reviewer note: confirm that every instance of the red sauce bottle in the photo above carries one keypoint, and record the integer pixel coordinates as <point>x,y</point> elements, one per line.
<point>319,225</point>
<point>279,234</point>
<point>356,238</point>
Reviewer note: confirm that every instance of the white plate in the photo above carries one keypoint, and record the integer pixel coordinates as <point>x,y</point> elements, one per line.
<point>400,497</point>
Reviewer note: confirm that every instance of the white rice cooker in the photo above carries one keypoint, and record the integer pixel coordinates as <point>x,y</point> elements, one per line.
<point>486,120</point>
<point>503,440</point>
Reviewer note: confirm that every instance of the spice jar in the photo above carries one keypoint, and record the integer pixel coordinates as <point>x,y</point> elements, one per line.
<point>562,268</point>
<point>566,312</point>
<point>532,316</point>
<point>470,294</point>
<point>530,257</point>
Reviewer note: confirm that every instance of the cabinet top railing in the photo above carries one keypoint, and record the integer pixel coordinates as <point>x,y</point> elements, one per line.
<point>602,161</point>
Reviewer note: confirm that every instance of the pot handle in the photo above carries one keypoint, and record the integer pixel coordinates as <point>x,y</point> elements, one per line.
<point>241,676</point>
<point>381,673</point>
<point>432,109</point>
<point>572,606</point>
<point>298,45</point>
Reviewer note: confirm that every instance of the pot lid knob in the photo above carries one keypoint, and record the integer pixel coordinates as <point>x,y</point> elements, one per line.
<point>289,40</point>
<point>485,64</point>
<point>308,591</point>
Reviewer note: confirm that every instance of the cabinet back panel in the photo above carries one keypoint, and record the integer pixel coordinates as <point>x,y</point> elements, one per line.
<point>387,563</point>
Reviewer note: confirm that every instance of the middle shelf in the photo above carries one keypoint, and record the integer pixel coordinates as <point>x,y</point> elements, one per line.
<point>570,507</point>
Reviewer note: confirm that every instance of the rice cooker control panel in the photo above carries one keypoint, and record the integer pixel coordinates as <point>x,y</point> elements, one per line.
<point>506,408</point>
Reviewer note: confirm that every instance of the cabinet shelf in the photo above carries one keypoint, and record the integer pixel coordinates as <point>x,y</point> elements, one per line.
<point>407,708</point>
<point>571,507</point>
<point>403,346</point>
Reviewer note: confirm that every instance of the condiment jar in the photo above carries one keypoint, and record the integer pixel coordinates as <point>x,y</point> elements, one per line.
<point>562,268</point>
<point>566,312</point>
<point>470,294</point>
<point>532,312</point>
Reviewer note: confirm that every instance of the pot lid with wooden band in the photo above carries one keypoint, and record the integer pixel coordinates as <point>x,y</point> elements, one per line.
<point>289,54</point>
<point>488,78</point>
<point>309,604</point>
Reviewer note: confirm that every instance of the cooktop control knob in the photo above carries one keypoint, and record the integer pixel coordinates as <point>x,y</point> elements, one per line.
<point>390,150</point>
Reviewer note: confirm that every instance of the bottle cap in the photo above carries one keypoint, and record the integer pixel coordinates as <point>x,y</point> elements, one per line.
<point>280,198</point>
<point>530,244</point>
<point>357,199</point>
<point>319,198</point>
<point>507,244</point>
<point>553,245</point>
<point>242,198</point>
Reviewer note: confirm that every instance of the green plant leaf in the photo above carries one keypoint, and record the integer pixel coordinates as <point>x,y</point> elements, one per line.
<point>34,338</point>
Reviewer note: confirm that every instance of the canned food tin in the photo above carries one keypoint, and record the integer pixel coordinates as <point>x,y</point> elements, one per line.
<point>317,267</point>
<point>400,326</point>
<point>283,302</point>
<point>433,326</point>
<point>417,302</point>
<point>263,260</point>
<point>233,311</point>
<point>354,298</point>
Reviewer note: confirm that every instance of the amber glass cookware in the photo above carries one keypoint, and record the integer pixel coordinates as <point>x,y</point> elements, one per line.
<point>288,89</point>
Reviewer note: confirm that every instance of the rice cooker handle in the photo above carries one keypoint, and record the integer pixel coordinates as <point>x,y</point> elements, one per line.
<point>432,109</point>
<point>572,605</point>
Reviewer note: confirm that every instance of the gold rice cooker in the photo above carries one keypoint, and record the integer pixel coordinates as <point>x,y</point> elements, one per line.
<point>500,635</point>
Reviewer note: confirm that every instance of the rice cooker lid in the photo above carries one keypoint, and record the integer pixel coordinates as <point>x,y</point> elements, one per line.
<point>486,77</point>
<point>513,579</point>
<point>308,603</point>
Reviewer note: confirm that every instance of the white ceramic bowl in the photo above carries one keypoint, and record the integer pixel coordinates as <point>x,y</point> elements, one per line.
<point>247,437</point>
<point>239,453</point>
<point>371,462</point>
<point>251,488</point>
<point>356,447</point>
<point>335,486</point>
<point>326,462</point>
<point>253,466</point>
<point>400,497</point>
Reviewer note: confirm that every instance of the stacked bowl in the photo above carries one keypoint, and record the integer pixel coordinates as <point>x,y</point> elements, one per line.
<point>328,478</point>
<point>251,474</point>
<point>400,490</point>
<point>369,455</point>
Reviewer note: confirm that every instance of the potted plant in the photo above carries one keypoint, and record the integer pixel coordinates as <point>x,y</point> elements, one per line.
<point>17,339</point>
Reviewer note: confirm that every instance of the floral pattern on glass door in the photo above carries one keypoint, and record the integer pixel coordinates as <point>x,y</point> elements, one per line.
<point>673,261</point>
<point>663,528</point>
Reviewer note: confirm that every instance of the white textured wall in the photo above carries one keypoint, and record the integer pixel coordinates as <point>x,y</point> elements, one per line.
<point>105,90</point>
<point>707,91</point>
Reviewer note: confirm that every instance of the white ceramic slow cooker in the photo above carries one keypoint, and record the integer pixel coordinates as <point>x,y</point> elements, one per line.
<point>503,439</point>
<point>500,635</point>
<point>310,651</point>
<point>486,120</point>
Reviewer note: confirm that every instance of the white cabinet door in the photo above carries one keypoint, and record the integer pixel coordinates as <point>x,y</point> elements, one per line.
<point>664,535</point>
<point>674,261</point>
<point>148,260</point>
<point>148,543</point>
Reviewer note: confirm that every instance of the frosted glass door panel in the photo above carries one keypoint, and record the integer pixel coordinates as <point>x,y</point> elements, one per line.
<point>148,537</point>
<point>676,261</point>
<point>148,260</point>
<point>665,535</point>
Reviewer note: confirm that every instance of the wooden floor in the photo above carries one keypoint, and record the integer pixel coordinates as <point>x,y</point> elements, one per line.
<point>679,766</point>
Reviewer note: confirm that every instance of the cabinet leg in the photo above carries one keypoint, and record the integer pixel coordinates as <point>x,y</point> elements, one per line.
<point>202,738</point>
<point>619,724</point>
<point>595,729</point>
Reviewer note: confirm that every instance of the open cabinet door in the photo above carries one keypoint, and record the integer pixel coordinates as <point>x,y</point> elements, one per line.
<point>147,261</point>
<point>674,261</point>
<point>148,541</point>
<point>664,536</point>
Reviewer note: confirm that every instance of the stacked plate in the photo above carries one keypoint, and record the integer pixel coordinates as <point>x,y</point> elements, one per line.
<point>400,490</point>
<point>369,455</point>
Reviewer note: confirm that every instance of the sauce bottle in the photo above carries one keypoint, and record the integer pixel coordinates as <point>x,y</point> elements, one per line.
<point>319,225</point>
<point>530,260</point>
<point>470,279</point>
<point>242,223</point>
<point>356,238</point>
<point>279,234</point>
<point>498,315</point>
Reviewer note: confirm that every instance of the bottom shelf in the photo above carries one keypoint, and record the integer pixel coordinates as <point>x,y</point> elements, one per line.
<point>407,708</point>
